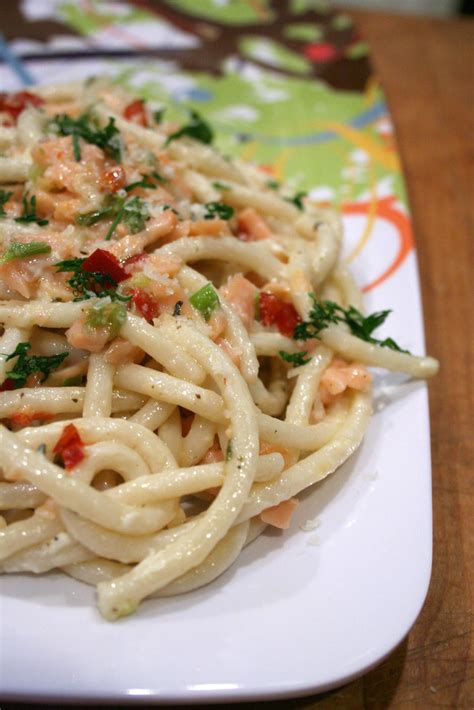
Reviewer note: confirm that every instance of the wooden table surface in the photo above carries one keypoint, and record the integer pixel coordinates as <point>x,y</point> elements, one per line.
<point>427,69</point>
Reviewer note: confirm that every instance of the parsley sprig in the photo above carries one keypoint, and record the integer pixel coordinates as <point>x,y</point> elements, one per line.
<point>86,127</point>
<point>29,212</point>
<point>272,184</point>
<point>147,181</point>
<point>297,200</point>
<point>323,313</point>
<point>197,129</point>
<point>132,211</point>
<point>218,209</point>
<point>295,359</point>
<point>28,364</point>
<point>89,284</point>
<point>158,115</point>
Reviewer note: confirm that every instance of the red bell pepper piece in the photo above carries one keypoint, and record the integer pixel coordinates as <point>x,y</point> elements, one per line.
<point>27,418</point>
<point>14,104</point>
<point>70,447</point>
<point>104,262</point>
<point>136,113</point>
<point>274,311</point>
<point>145,304</point>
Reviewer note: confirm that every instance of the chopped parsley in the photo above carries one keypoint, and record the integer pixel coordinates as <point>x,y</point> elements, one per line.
<point>89,284</point>
<point>295,359</point>
<point>218,209</point>
<point>325,312</point>
<point>4,197</point>
<point>158,115</point>
<point>220,185</point>
<point>28,364</point>
<point>146,181</point>
<point>272,184</point>
<point>168,207</point>
<point>197,129</point>
<point>29,212</point>
<point>87,128</point>
<point>228,451</point>
<point>297,200</point>
<point>76,147</point>
<point>132,211</point>
<point>20,250</point>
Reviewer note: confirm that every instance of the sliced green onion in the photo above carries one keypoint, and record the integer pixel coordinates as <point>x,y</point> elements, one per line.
<point>20,250</point>
<point>205,300</point>
<point>109,315</point>
<point>218,209</point>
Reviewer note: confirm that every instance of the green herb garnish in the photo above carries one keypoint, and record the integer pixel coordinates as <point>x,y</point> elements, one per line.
<point>218,209</point>
<point>28,364</point>
<point>295,359</point>
<point>87,219</point>
<point>228,451</point>
<point>220,185</point>
<point>135,214</point>
<point>87,128</point>
<point>297,200</point>
<point>76,147</point>
<point>197,129</point>
<point>272,184</point>
<point>146,181</point>
<point>205,300</point>
<point>108,315</point>
<point>29,212</point>
<point>158,115</point>
<point>20,250</point>
<point>4,197</point>
<point>168,207</point>
<point>132,211</point>
<point>325,312</point>
<point>89,284</point>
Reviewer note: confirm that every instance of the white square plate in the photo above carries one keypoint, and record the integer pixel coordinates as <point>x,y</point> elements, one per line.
<point>298,613</point>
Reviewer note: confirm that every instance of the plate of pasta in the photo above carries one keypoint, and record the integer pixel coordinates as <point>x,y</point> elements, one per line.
<point>185,359</point>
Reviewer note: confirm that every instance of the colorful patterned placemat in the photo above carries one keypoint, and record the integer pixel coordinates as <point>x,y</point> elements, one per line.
<point>288,85</point>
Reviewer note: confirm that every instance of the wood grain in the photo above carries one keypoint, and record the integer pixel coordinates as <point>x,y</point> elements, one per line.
<point>427,69</point>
